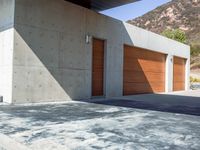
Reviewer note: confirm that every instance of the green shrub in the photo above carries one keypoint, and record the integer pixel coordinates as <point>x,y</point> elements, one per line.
<point>175,34</point>
<point>192,79</point>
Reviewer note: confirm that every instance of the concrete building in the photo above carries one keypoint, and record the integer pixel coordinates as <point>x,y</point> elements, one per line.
<point>54,50</point>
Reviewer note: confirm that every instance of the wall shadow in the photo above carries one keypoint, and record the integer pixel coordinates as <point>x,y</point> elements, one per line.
<point>64,64</point>
<point>59,66</point>
<point>158,102</point>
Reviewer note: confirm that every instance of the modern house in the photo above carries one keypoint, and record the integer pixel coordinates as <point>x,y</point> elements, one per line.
<point>57,50</point>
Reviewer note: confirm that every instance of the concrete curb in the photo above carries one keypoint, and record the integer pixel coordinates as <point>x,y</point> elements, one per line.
<point>6,143</point>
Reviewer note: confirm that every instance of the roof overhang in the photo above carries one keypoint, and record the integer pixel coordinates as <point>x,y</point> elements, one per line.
<point>99,5</point>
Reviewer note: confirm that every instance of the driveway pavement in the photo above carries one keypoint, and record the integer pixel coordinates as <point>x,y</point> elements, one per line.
<point>179,102</point>
<point>88,126</point>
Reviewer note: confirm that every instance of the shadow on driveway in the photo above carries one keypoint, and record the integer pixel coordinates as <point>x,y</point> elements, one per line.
<point>157,102</point>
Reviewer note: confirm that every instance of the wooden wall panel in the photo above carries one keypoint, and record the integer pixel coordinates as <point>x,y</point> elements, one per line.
<point>179,74</point>
<point>144,71</point>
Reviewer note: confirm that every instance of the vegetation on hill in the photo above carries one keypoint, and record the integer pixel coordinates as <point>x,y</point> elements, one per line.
<point>175,34</point>
<point>195,49</point>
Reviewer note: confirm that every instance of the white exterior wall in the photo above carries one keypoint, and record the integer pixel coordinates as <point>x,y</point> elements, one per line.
<point>6,48</point>
<point>53,62</point>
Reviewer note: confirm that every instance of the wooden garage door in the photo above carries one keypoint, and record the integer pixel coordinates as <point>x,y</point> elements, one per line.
<point>179,74</point>
<point>98,67</point>
<point>144,71</point>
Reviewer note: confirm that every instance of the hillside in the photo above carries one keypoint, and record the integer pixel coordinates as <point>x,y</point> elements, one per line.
<point>182,14</point>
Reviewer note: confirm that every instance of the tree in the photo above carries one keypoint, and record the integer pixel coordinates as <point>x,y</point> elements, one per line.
<point>175,34</point>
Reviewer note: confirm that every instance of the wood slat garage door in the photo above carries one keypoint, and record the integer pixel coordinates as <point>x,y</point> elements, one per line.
<point>179,74</point>
<point>98,68</point>
<point>144,71</point>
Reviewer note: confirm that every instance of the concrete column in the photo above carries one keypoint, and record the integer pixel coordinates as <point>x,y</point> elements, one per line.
<point>169,74</point>
<point>187,74</point>
<point>6,48</point>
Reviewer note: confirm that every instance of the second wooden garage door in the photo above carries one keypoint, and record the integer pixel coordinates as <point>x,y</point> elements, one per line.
<point>144,71</point>
<point>179,74</point>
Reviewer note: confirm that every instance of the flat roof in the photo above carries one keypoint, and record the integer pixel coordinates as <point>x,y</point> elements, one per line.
<point>99,5</point>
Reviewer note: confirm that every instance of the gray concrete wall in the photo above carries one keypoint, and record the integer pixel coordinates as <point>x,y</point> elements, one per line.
<point>52,61</point>
<point>6,48</point>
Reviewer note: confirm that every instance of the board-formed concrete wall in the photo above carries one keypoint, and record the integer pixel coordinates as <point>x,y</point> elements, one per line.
<point>6,48</point>
<point>53,62</point>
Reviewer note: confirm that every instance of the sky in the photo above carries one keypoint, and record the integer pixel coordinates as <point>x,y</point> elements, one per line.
<point>134,10</point>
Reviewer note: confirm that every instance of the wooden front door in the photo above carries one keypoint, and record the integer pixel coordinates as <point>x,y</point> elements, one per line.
<point>98,68</point>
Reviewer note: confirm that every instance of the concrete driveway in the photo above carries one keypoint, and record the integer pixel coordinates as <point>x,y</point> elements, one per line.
<point>88,126</point>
